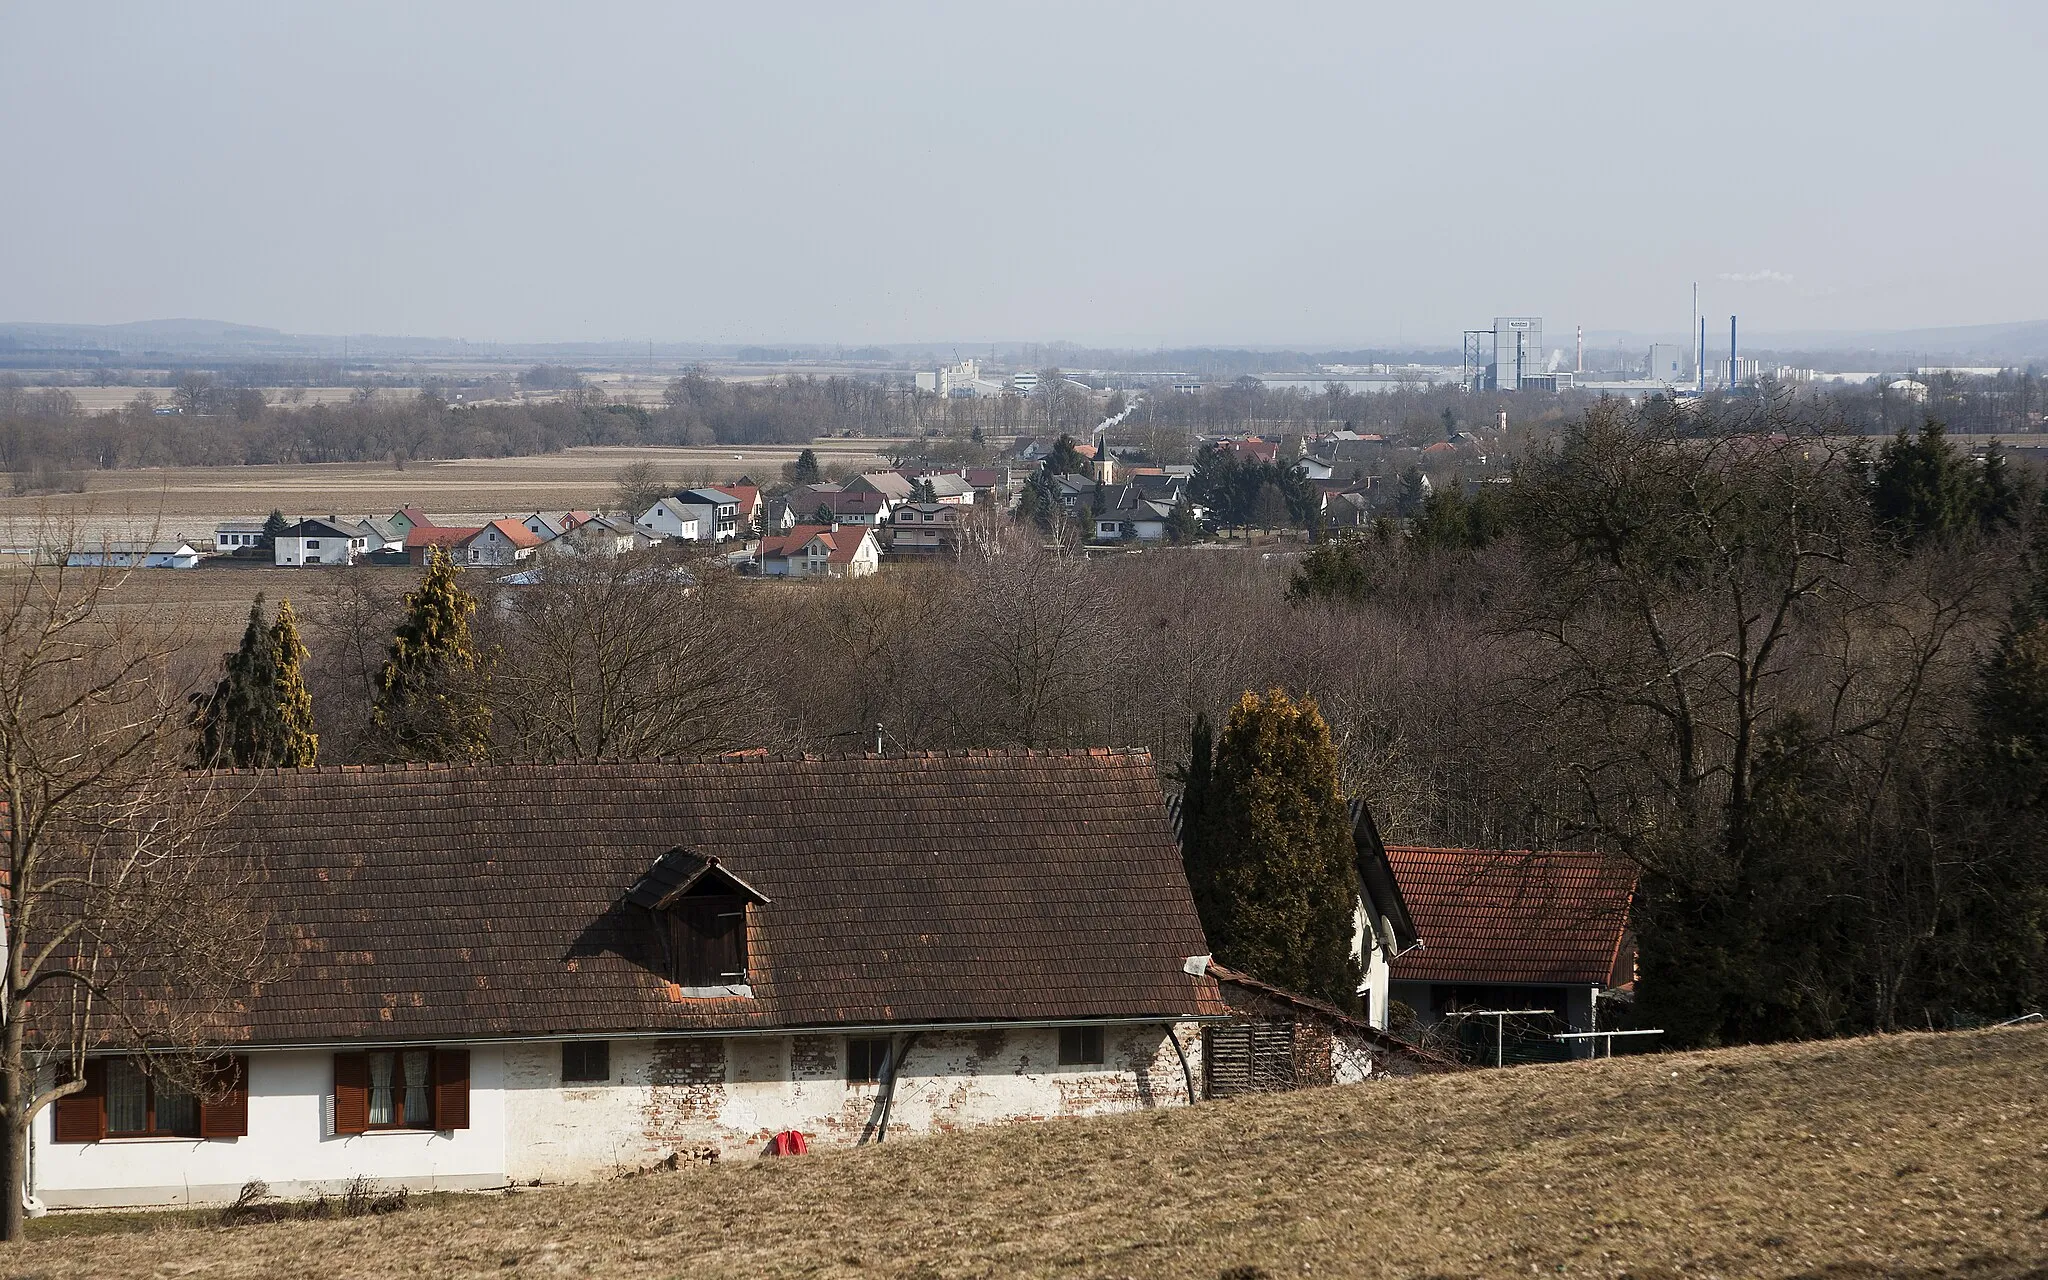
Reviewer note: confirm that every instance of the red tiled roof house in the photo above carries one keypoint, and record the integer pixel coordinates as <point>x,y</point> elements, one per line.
<point>1509,930</point>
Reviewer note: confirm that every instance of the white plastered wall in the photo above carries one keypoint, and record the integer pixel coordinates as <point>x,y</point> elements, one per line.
<point>290,1145</point>
<point>691,1098</point>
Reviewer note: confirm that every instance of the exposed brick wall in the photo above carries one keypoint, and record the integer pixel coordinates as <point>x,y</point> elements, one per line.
<point>815,1058</point>
<point>688,1079</point>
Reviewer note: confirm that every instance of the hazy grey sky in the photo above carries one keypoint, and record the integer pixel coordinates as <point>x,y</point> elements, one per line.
<point>1169,173</point>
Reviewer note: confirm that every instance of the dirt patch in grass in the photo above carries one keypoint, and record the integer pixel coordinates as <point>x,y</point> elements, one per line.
<point>1918,1156</point>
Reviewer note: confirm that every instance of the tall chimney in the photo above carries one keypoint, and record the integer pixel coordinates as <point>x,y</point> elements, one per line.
<point>1733,368</point>
<point>1579,345</point>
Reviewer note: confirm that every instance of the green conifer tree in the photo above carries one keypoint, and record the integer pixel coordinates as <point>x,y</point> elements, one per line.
<point>1275,851</point>
<point>298,747</point>
<point>259,714</point>
<point>237,721</point>
<point>431,693</point>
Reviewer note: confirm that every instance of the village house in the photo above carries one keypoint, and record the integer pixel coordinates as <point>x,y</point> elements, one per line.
<point>509,973</point>
<point>669,519</point>
<point>717,513</point>
<point>498,543</point>
<point>925,528</point>
<point>600,535</point>
<point>747,505</point>
<point>1511,931</point>
<point>546,527</point>
<point>893,485</point>
<point>237,535</point>
<point>409,518</point>
<point>382,533</point>
<point>166,554</point>
<point>322,542</point>
<point>422,541</point>
<point>850,506</point>
<point>822,551</point>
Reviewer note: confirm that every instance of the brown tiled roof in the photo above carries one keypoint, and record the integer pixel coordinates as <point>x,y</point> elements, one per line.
<point>432,535</point>
<point>1490,916</point>
<point>481,901</point>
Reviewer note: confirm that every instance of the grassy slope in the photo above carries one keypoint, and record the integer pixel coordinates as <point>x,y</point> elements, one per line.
<point>1914,1155</point>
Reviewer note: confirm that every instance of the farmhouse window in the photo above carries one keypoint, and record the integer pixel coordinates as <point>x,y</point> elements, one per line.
<point>586,1061</point>
<point>867,1057</point>
<point>121,1099</point>
<point>708,940</point>
<point>401,1089</point>
<point>312,544</point>
<point>1080,1046</point>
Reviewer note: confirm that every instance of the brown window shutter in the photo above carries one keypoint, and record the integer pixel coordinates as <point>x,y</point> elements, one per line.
<point>351,1092</point>
<point>82,1116</point>
<point>451,1088</point>
<point>227,1116</point>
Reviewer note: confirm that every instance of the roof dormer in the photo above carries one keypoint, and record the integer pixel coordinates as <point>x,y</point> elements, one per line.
<point>702,915</point>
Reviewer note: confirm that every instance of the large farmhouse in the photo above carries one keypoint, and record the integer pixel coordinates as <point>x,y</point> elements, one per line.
<point>497,974</point>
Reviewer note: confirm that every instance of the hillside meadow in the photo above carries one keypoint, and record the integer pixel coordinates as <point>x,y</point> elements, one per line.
<point>1922,1155</point>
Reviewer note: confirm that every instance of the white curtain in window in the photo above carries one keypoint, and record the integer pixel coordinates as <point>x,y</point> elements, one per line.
<point>417,1106</point>
<point>127,1097</point>
<point>382,1110</point>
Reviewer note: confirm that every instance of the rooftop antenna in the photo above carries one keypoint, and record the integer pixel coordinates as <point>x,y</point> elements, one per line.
<point>878,736</point>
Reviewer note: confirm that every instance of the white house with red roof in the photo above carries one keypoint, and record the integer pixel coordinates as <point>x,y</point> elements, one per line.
<point>822,551</point>
<point>499,542</point>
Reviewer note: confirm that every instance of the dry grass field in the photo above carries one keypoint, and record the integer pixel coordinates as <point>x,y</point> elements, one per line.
<point>1908,1156</point>
<point>188,501</point>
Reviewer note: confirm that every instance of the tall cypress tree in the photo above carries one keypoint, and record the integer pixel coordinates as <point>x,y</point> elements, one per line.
<point>430,694</point>
<point>1276,850</point>
<point>259,715</point>
<point>237,721</point>
<point>298,747</point>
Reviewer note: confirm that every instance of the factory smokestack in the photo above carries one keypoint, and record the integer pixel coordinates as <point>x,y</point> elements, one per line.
<point>1733,368</point>
<point>1699,351</point>
<point>1579,347</point>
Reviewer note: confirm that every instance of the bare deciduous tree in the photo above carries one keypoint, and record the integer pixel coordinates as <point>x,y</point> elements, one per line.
<point>124,926</point>
<point>626,657</point>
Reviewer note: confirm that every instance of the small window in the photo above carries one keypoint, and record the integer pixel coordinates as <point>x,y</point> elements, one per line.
<point>140,1106</point>
<point>401,1092</point>
<point>312,544</point>
<point>1080,1046</point>
<point>586,1061</point>
<point>866,1059</point>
